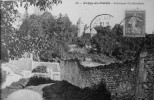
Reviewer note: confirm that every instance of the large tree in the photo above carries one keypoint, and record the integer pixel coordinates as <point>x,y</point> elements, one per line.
<point>9,13</point>
<point>112,43</point>
<point>45,35</point>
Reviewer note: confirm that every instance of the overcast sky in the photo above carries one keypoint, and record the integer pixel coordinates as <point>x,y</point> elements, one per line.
<point>88,11</point>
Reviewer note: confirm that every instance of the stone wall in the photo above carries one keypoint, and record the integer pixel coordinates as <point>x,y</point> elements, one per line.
<point>146,77</point>
<point>119,78</point>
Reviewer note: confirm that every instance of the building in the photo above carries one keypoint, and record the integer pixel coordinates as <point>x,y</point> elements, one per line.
<point>26,64</point>
<point>53,69</point>
<point>80,26</point>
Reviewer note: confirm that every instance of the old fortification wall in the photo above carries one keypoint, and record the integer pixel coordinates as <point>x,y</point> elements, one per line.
<point>119,78</point>
<point>145,86</point>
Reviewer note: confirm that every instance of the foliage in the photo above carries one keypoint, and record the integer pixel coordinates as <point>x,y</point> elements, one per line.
<point>9,13</point>
<point>100,58</point>
<point>40,69</point>
<point>37,36</point>
<point>42,4</point>
<point>65,90</point>
<point>83,40</point>
<point>112,43</point>
<point>104,42</point>
<point>34,81</point>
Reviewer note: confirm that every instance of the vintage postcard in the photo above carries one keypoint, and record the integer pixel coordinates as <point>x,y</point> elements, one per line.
<point>77,50</point>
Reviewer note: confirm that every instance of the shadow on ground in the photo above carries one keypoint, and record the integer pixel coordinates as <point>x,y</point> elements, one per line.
<point>66,91</point>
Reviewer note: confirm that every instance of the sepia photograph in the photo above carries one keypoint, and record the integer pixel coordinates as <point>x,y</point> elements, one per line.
<point>77,50</point>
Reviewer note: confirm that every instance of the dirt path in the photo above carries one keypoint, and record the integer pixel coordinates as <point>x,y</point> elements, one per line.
<point>38,88</point>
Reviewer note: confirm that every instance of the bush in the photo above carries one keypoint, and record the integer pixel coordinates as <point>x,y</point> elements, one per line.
<point>68,91</point>
<point>61,89</point>
<point>34,81</point>
<point>40,69</point>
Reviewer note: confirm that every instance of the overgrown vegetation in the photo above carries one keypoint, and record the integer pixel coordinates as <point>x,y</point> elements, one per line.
<point>34,81</point>
<point>66,91</point>
<point>40,69</point>
<point>9,14</point>
<point>36,35</point>
<point>112,43</point>
<point>43,40</point>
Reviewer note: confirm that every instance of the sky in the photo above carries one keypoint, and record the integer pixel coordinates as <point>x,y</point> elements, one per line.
<point>76,9</point>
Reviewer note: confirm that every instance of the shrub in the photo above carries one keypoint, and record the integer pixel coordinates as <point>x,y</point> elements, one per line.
<point>68,91</point>
<point>61,89</point>
<point>34,81</point>
<point>40,69</point>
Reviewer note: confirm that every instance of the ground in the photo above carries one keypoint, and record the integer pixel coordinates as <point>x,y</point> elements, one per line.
<point>38,88</point>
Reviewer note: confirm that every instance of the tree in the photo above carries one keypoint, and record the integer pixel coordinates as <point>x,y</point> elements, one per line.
<point>103,41</point>
<point>45,36</point>
<point>65,30</point>
<point>112,43</point>
<point>9,13</point>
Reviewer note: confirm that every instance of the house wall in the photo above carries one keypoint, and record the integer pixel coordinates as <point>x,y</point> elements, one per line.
<point>14,69</point>
<point>22,63</point>
<point>53,69</point>
<point>50,64</point>
<point>27,64</point>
